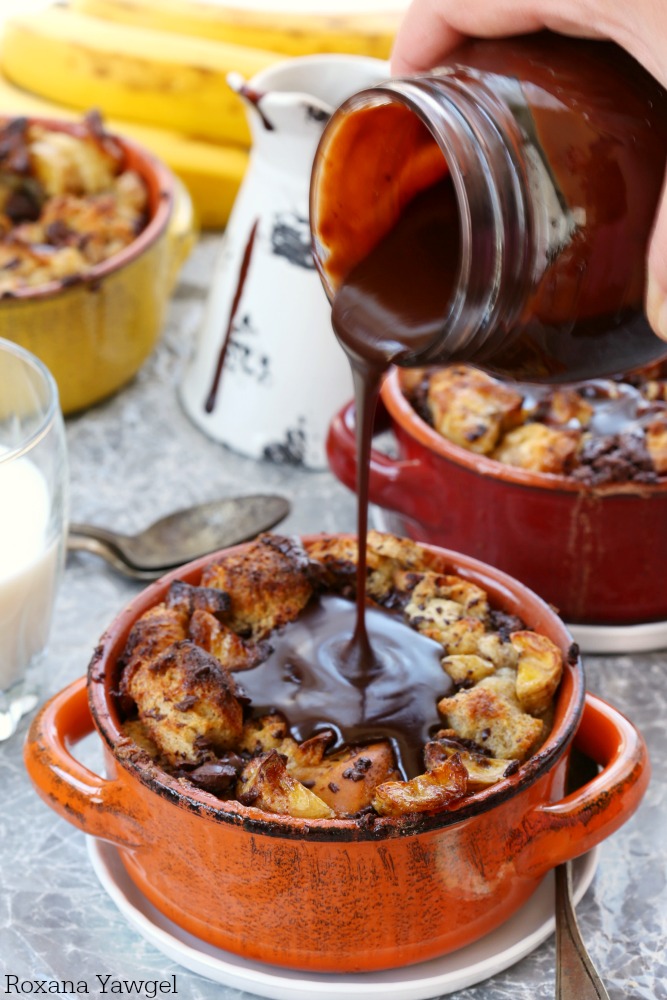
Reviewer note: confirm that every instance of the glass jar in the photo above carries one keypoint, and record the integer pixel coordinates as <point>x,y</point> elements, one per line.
<point>538,163</point>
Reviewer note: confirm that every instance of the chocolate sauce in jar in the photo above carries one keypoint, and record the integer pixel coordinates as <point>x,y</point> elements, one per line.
<point>312,680</point>
<point>544,158</point>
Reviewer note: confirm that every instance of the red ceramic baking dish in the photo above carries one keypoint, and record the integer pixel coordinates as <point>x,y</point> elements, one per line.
<point>598,554</point>
<point>339,894</point>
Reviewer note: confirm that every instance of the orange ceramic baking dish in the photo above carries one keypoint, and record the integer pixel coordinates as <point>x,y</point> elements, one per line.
<point>597,553</point>
<point>336,894</point>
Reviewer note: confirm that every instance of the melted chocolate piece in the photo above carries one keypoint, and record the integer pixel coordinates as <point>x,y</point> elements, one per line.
<point>314,679</point>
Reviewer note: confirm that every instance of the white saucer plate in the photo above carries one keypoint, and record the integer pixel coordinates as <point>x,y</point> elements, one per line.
<point>516,938</point>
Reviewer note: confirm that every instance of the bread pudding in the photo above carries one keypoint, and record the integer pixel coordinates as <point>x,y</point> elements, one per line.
<point>220,688</point>
<point>67,202</point>
<point>600,431</point>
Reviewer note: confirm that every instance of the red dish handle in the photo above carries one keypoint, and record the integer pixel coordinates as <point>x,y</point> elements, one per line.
<point>403,486</point>
<point>558,832</point>
<point>93,804</point>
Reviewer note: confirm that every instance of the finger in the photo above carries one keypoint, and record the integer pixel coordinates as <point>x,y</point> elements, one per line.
<point>656,290</point>
<point>424,36</point>
<point>432,28</point>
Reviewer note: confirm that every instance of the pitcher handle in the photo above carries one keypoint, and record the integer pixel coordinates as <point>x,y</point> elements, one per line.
<point>557,832</point>
<point>95,805</point>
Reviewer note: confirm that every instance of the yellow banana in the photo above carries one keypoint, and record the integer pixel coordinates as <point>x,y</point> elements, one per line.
<point>138,74</point>
<point>212,173</point>
<point>288,33</point>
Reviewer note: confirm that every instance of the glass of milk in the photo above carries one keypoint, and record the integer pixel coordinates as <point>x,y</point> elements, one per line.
<point>33,519</point>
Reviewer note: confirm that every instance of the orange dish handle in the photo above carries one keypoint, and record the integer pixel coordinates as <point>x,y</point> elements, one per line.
<point>93,804</point>
<point>553,834</point>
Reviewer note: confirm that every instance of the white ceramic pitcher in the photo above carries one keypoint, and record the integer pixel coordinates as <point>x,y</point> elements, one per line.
<point>267,374</point>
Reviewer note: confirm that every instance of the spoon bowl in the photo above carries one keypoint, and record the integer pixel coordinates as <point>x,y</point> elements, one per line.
<point>181,536</point>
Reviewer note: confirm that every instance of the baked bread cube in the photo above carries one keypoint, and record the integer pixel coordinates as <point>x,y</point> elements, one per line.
<point>157,629</point>
<point>387,556</point>
<point>267,584</point>
<point>228,647</point>
<point>567,405</point>
<point>472,409</point>
<point>491,716</point>
<point>187,702</point>
<point>539,448</point>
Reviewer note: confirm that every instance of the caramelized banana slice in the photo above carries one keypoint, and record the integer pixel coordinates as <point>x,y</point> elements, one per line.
<point>428,792</point>
<point>656,443</point>
<point>491,716</point>
<point>539,671</point>
<point>266,784</point>
<point>347,780</point>
<point>187,703</point>
<point>266,582</point>
<point>468,668</point>
<point>482,770</point>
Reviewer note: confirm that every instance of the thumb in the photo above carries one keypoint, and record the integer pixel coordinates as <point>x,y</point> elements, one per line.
<point>656,286</point>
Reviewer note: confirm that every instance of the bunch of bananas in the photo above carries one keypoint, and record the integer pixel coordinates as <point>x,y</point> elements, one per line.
<point>157,71</point>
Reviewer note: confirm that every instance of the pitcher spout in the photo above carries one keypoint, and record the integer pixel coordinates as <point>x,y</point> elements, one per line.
<point>280,109</point>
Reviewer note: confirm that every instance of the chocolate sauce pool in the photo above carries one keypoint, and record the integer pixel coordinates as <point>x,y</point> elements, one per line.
<point>312,680</point>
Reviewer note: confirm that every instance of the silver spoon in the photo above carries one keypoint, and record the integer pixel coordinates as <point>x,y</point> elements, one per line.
<point>181,536</point>
<point>576,977</point>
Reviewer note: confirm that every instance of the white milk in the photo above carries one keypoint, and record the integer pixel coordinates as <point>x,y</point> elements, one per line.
<point>28,568</point>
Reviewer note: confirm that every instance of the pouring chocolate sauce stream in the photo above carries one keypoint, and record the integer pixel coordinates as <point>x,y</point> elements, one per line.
<point>390,306</point>
<point>366,687</point>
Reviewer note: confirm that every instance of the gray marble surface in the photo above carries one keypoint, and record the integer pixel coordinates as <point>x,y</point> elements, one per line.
<point>132,459</point>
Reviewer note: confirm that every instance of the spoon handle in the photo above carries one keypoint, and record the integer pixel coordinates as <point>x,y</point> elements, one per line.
<point>86,538</point>
<point>90,538</point>
<point>576,978</point>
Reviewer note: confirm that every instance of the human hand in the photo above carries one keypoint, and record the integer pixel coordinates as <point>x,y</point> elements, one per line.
<point>433,28</point>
